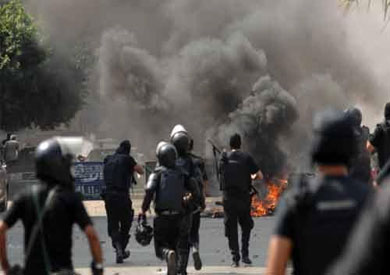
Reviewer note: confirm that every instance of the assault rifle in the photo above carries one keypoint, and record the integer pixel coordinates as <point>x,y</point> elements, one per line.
<point>217,152</point>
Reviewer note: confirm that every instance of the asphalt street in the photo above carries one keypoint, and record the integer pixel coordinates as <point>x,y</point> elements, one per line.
<point>214,250</point>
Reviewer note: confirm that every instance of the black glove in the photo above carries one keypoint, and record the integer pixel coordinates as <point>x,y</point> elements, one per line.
<point>141,218</point>
<point>97,269</point>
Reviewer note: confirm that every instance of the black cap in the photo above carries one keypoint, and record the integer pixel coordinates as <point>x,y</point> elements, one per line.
<point>124,147</point>
<point>235,141</point>
<point>334,138</point>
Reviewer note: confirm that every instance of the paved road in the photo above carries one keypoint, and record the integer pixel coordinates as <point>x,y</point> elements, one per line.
<point>214,250</point>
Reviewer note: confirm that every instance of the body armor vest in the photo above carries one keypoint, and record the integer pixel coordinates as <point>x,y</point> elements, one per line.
<point>170,192</point>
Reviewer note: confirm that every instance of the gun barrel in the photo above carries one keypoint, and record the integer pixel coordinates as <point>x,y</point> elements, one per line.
<point>215,147</point>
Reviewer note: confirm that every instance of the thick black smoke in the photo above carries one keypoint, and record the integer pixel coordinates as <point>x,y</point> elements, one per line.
<point>262,119</point>
<point>198,63</point>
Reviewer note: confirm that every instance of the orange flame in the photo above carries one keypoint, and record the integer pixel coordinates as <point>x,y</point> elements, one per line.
<point>267,205</point>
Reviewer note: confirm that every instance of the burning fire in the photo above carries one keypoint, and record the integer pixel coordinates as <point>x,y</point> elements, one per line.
<point>266,206</point>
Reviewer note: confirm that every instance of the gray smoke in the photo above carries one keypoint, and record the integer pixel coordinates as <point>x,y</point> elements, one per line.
<point>213,76</point>
<point>261,68</point>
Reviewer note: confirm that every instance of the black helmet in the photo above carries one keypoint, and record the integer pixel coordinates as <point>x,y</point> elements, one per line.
<point>334,138</point>
<point>143,232</point>
<point>181,142</point>
<point>53,161</point>
<point>354,115</point>
<point>166,154</point>
<point>180,139</point>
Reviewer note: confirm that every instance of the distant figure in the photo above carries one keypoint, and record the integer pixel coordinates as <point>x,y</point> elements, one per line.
<point>11,149</point>
<point>360,166</point>
<point>6,139</point>
<point>167,185</point>
<point>237,169</point>
<point>379,141</point>
<point>48,212</point>
<point>316,216</point>
<point>118,172</point>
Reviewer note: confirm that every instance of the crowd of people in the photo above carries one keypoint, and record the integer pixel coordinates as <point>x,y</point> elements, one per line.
<point>336,222</point>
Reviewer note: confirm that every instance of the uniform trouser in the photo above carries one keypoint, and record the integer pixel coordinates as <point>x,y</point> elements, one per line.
<point>119,217</point>
<point>361,168</point>
<point>166,234</point>
<point>237,211</point>
<point>183,246</point>
<point>194,233</point>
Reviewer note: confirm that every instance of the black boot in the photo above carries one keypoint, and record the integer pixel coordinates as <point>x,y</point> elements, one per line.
<point>246,260</point>
<point>197,260</point>
<point>124,241</point>
<point>245,247</point>
<point>119,253</point>
<point>235,259</point>
<point>126,254</point>
<point>170,258</point>
<point>182,262</point>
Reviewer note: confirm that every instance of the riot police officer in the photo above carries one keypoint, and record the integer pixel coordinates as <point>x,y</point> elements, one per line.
<point>194,232</point>
<point>316,216</point>
<point>48,212</point>
<point>118,172</point>
<point>237,168</point>
<point>360,166</point>
<point>168,184</point>
<point>379,141</point>
<point>181,140</point>
<point>368,248</point>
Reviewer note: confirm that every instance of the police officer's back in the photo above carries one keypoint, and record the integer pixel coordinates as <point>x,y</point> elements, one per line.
<point>316,217</point>
<point>181,140</point>
<point>48,213</point>
<point>118,174</point>
<point>368,248</point>
<point>237,168</point>
<point>168,184</point>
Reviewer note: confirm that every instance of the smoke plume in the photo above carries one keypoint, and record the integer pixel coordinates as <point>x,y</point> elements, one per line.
<point>260,68</point>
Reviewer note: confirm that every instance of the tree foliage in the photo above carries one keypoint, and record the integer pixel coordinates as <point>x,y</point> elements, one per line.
<point>36,87</point>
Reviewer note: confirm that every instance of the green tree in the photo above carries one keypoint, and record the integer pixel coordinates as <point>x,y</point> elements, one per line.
<point>36,87</point>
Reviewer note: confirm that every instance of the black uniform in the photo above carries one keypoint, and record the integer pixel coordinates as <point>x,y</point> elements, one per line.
<point>317,217</point>
<point>168,186</point>
<point>380,139</point>
<point>65,209</point>
<point>194,234</point>
<point>118,173</point>
<point>368,249</point>
<point>236,170</point>
<point>187,165</point>
<point>360,168</point>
